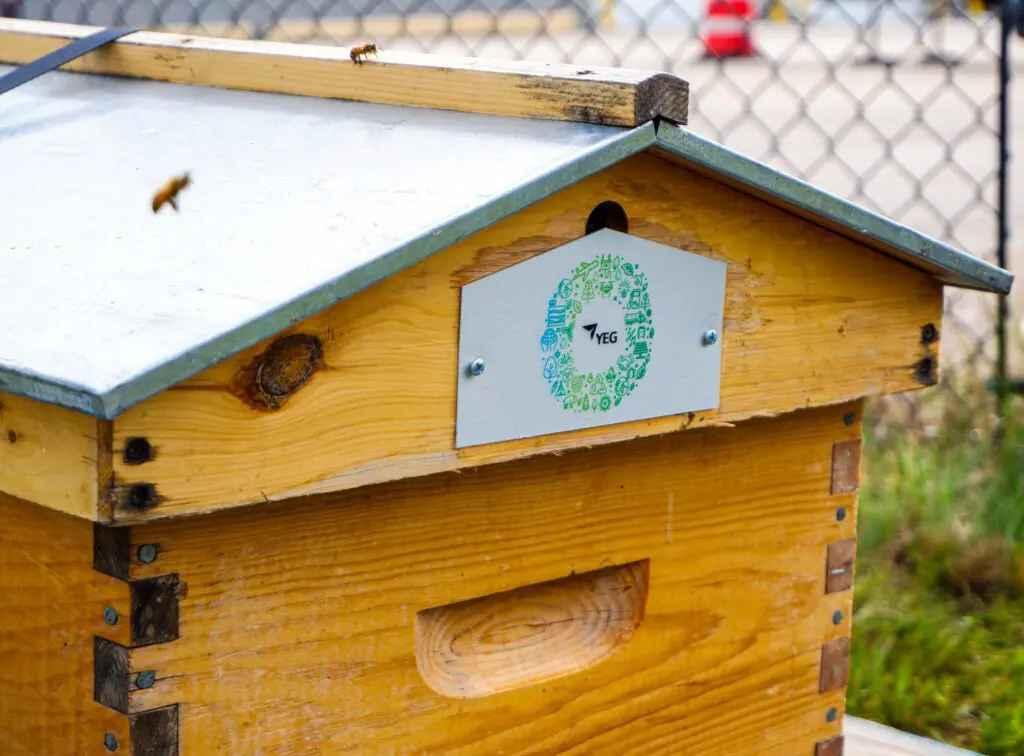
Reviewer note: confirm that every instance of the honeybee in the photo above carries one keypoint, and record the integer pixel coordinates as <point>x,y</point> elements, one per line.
<point>359,53</point>
<point>169,192</point>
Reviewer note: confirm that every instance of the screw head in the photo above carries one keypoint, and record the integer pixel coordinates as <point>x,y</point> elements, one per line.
<point>110,741</point>
<point>709,338</point>
<point>848,418</point>
<point>110,615</point>
<point>837,616</point>
<point>841,514</point>
<point>137,450</point>
<point>147,553</point>
<point>476,367</point>
<point>142,496</point>
<point>145,679</point>
<point>831,714</point>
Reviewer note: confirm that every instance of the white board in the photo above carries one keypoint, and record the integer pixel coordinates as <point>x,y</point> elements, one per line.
<point>606,329</point>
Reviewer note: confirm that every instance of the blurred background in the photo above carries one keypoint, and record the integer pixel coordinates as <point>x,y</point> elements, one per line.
<point>908,107</point>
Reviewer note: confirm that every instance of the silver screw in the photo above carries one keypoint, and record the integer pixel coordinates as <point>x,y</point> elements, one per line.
<point>710,337</point>
<point>476,367</point>
<point>110,615</point>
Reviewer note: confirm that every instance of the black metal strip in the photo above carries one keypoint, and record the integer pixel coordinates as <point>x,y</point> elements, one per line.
<point>59,57</point>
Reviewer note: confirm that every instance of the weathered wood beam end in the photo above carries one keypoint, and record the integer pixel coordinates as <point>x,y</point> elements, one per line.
<point>663,96</point>
<point>554,91</point>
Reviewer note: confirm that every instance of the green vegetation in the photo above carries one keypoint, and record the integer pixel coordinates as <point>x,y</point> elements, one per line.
<point>938,638</point>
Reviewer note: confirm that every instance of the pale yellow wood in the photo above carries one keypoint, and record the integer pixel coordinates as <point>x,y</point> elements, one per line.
<point>532,634</point>
<point>611,96</point>
<point>298,627</point>
<point>51,606</point>
<point>425,24</point>
<point>811,319</point>
<point>52,456</point>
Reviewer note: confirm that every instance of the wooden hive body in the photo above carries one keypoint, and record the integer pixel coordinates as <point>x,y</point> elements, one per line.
<point>286,552</point>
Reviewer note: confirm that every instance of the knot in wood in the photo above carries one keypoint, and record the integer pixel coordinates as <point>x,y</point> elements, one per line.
<point>288,364</point>
<point>283,368</point>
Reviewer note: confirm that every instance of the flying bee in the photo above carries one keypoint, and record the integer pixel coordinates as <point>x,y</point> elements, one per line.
<point>169,192</point>
<point>359,53</point>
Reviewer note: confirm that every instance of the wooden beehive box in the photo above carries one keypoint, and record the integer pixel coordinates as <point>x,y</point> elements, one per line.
<point>531,428</point>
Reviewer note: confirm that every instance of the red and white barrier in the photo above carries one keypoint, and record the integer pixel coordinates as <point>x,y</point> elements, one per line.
<point>727,29</point>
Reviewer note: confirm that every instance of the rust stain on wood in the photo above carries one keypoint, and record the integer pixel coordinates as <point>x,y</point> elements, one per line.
<point>845,466</point>
<point>839,566</point>
<point>835,665</point>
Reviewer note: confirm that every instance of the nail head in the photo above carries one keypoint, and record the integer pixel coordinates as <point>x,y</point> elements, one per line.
<point>137,451</point>
<point>145,679</point>
<point>147,553</point>
<point>110,615</point>
<point>841,514</point>
<point>837,616</point>
<point>110,741</point>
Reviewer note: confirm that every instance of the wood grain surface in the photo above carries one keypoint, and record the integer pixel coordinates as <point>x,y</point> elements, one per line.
<point>51,606</point>
<point>298,627</point>
<point>531,634</point>
<point>51,455</point>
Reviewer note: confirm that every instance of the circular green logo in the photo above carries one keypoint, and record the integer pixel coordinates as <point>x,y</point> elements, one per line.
<point>613,294</point>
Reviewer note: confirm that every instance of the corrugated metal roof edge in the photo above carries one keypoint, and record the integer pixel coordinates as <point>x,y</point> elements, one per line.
<point>960,269</point>
<point>109,404</point>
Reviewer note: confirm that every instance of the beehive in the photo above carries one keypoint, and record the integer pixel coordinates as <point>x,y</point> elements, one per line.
<point>460,408</point>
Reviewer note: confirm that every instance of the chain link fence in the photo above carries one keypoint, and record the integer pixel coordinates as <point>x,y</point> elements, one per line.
<point>892,104</point>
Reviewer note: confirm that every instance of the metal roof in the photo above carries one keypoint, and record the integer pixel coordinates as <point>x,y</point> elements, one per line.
<point>296,203</point>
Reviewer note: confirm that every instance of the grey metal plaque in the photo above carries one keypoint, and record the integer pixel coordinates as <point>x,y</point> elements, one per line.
<point>605,329</point>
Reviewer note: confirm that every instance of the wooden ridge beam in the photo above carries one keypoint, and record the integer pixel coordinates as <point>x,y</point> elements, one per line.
<point>609,96</point>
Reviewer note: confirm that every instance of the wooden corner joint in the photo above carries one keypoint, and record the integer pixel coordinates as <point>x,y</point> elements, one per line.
<point>830,747</point>
<point>839,565</point>
<point>153,618</point>
<point>835,665</point>
<point>845,466</point>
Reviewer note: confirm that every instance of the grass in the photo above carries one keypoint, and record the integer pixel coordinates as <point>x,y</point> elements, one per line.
<point>938,640</point>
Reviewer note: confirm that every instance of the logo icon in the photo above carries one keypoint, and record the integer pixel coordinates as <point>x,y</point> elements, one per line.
<point>607,280</point>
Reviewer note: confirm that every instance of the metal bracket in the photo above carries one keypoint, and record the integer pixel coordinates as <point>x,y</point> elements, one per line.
<point>60,56</point>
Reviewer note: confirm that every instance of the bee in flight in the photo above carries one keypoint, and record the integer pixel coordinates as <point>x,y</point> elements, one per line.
<point>169,192</point>
<point>359,53</point>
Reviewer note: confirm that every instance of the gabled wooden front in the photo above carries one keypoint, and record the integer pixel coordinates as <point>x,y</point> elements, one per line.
<point>366,394</point>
